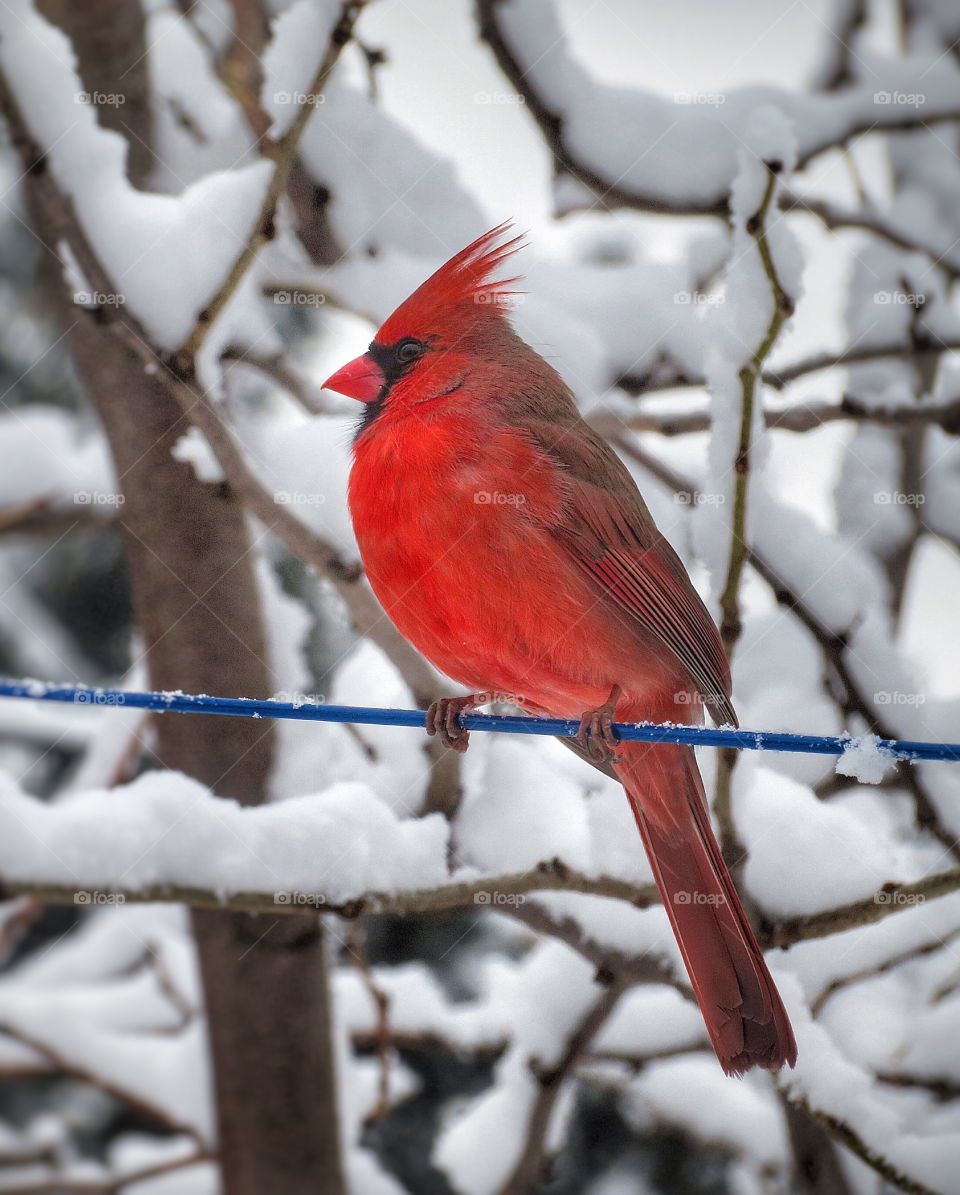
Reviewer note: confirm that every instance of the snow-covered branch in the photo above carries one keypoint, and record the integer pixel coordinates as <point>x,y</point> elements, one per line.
<point>282,152</point>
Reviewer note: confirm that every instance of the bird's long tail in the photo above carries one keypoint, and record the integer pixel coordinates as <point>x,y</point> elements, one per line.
<point>741,1006</point>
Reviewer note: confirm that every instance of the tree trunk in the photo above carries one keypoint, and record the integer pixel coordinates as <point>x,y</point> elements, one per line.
<point>198,611</point>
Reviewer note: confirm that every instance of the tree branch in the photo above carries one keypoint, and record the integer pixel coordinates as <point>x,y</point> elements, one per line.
<point>60,1182</point>
<point>280,371</point>
<point>888,899</point>
<point>847,1136</point>
<point>834,217</point>
<point>730,621</point>
<point>527,1172</point>
<point>833,645</point>
<point>779,379</point>
<point>283,153</point>
<point>802,417</point>
<point>610,193</point>
<point>497,893</point>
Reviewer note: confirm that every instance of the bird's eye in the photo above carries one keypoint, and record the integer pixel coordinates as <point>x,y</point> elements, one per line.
<point>409,350</point>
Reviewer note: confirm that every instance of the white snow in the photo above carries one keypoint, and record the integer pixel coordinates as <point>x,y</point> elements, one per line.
<point>166,829</point>
<point>866,760</point>
<point>166,255</point>
<point>299,42</point>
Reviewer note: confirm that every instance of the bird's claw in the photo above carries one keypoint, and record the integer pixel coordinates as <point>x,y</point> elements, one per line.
<point>443,719</point>
<point>596,734</point>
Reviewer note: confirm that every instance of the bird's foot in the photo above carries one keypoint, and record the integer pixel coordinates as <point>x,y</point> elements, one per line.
<point>596,734</point>
<point>443,717</point>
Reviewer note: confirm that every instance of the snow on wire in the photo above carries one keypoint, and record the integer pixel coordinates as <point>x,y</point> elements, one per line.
<point>699,736</point>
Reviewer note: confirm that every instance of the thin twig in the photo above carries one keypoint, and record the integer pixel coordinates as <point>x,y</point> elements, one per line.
<point>357,949</point>
<point>833,217</point>
<point>730,622</point>
<point>528,1169</point>
<point>848,1136</point>
<point>834,647</point>
<point>59,1183</point>
<point>282,152</point>
<point>801,417</point>
<point>779,379</point>
<point>283,373</point>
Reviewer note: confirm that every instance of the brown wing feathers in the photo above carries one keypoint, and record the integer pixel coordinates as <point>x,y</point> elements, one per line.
<point>610,534</point>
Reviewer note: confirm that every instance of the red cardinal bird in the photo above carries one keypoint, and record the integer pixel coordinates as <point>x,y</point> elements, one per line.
<point>510,545</point>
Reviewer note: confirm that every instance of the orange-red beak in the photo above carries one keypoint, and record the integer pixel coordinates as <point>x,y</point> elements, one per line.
<point>361,379</point>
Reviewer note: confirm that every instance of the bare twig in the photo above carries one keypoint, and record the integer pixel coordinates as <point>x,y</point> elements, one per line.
<point>610,964</point>
<point>41,516</point>
<point>280,371</point>
<point>834,217</point>
<point>730,626</point>
<point>779,379</point>
<point>730,623</point>
<point>357,949</point>
<point>60,1183</point>
<point>526,1174</point>
<point>847,1136</point>
<point>802,417</point>
<point>125,1094</point>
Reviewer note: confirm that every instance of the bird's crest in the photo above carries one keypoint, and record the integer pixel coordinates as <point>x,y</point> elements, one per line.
<point>464,279</point>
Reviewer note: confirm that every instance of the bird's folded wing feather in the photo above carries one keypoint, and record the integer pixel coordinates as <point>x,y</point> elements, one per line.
<point>609,533</point>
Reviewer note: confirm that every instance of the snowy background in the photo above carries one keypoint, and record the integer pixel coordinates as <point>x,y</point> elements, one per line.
<point>510,1003</point>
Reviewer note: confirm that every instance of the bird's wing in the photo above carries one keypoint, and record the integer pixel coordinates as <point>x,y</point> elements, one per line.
<point>610,535</point>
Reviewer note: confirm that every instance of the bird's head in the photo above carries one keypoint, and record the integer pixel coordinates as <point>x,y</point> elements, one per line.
<point>427,347</point>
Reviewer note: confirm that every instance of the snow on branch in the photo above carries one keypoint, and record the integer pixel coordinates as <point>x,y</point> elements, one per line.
<point>164,838</point>
<point>636,164</point>
<point>281,148</point>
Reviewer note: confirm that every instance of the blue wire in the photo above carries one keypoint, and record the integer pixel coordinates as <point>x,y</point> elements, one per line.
<point>244,707</point>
